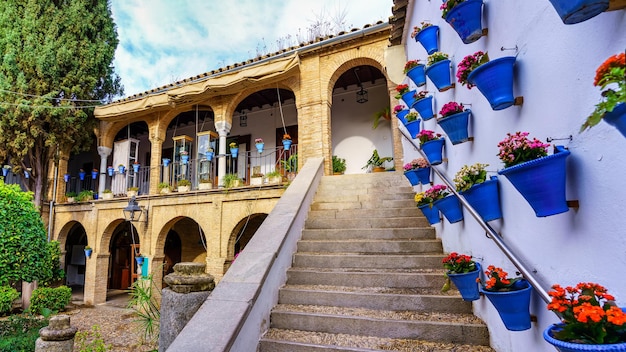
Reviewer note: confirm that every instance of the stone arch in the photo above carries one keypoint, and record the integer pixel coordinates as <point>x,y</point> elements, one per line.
<point>288,84</point>
<point>344,66</point>
<point>241,235</point>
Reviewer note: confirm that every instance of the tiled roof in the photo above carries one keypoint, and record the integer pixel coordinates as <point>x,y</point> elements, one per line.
<point>399,11</point>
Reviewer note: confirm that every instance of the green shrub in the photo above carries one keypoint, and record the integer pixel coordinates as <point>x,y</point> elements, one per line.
<point>91,341</point>
<point>54,299</point>
<point>7,295</point>
<point>19,332</point>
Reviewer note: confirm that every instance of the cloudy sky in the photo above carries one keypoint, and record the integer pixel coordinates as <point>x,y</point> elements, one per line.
<point>162,41</point>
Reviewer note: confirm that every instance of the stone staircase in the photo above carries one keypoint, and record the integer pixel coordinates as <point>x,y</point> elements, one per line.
<point>367,276</point>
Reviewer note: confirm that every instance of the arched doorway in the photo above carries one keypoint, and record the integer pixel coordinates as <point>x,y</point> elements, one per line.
<point>124,247</point>
<point>241,235</point>
<point>172,251</point>
<point>75,259</point>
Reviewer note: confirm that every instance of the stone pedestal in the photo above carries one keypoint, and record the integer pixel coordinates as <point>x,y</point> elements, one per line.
<point>58,336</point>
<point>189,287</point>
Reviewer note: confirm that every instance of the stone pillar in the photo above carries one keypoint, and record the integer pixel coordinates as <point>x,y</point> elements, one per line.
<point>156,153</point>
<point>104,153</point>
<point>222,128</point>
<point>189,287</point>
<point>58,336</point>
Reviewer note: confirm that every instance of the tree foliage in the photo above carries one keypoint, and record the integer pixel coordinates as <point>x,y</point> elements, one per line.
<point>57,57</point>
<point>24,251</point>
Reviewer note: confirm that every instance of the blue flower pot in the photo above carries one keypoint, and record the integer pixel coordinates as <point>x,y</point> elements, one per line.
<point>566,346</point>
<point>434,151</point>
<point>409,98</point>
<point>541,182</point>
<point>81,175</point>
<point>287,144</point>
<point>413,127</point>
<point>121,169</point>
<point>495,81</point>
<point>485,199</point>
<point>139,260</point>
<point>575,11</point>
<point>419,175</point>
<point>401,114</point>
<point>209,155</point>
<point>617,118</point>
<point>26,174</point>
<point>110,171</point>
<point>455,126</point>
<point>5,172</point>
<point>259,147</point>
<point>512,306</point>
<point>66,177</point>
<point>88,252</point>
<point>439,74</point>
<point>428,38</point>
<point>136,167</point>
<point>166,162</point>
<point>185,158</point>
<point>431,213</point>
<point>417,75</point>
<point>450,207</point>
<point>234,152</point>
<point>424,107</point>
<point>466,283</point>
<point>94,174</point>
<point>465,18</point>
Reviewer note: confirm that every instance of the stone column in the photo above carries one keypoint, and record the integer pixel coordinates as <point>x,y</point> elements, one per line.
<point>156,144</point>
<point>222,128</point>
<point>189,287</point>
<point>58,336</point>
<point>104,153</point>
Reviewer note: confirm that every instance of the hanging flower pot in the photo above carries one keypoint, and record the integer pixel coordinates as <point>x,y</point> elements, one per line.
<point>512,306</point>
<point>575,11</point>
<point>409,98</point>
<point>466,283</point>
<point>494,79</point>
<point>465,18</point>
<point>413,127</point>
<point>94,174</point>
<point>234,152</point>
<point>431,213</point>
<point>541,182</point>
<point>26,174</point>
<point>81,175</point>
<point>209,155</point>
<point>185,159</point>
<point>166,162</point>
<point>88,252</point>
<point>455,126</point>
<point>259,147</point>
<point>66,177</point>
<point>417,75</point>
<point>568,346</point>
<point>617,118</point>
<point>401,116</point>
<point>434,151</point>
<point>428,38</point>
<point>485,199</point>
<point>439,74</point>
<point>136,167</point>
<point>121,169</point>
<point>450,208</point>
<point>5,170</point>
<point>287,144</point>
<point>424,107</point>
<point>419,175</point>
<point>110,171</point>
<point>139,260</point>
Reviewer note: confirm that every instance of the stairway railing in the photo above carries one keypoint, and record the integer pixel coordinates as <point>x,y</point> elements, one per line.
<point>491,233</point>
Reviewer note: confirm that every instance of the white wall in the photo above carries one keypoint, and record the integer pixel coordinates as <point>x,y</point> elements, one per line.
<point>554,73</point>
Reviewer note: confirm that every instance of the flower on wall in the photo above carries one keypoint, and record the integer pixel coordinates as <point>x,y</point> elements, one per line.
<point>469,176</point>
<point>436,57</point>
<point>468,64</point>
<point>410,64</point>
<point>451,108</point>
<point>427,136</point>
<point>611,78</point>
<point>517,148</point>
<point>415,164</point>
<point>417,29</point>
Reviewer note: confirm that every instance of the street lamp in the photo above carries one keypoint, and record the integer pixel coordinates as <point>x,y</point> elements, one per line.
<point>133,211</point>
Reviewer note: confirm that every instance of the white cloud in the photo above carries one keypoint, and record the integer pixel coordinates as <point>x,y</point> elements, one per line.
<point>163,41</point>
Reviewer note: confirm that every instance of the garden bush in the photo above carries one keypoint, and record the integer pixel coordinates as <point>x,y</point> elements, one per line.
<point>19,332</point>
<point>7,295</point>
<point>54,299</point>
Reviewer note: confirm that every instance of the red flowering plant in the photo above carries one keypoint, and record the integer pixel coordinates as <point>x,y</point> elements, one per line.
<point>468,64</point>
<point>456,264</point>
<point>517,148</point>
<point>589,314</point>
<point>427,136</point>
<point>422,26</point>
<point>451,108</point>
<point>410,64</point>
<point>401,89</point>
<point>397,109</point>
<point>498,281</point>
<point>449,5</point>
<point>415,164</point>
<point>611,78</point>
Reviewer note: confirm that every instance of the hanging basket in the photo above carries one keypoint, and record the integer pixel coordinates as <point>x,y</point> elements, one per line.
<point>81,175</point>
<point>485,199</point>
<point>401,114</point>
<point>576,11</point>
<point>466,283</point>
<point>424,107</point>
<point>185,158</point>
<point>439,74</point>
<point>136,167</point>
<point>234,152</point>
<point>617,118</point>
<point>542,182</point>
<point>455,126</point>
<point>121,169</point>
<point>94,175</point>
<point>287,144</point>
<point>413,127</point>
<point>409,98</point>
<point>419,175</point>
<point>450,207</point>
<point>166,162</point>
<point>431,213</point>
<point>139,260</point>
<point>110,171</point>
<point>434,151</point>
<point>466,18</point>
<point>512,306</point>
<point>259,147</point>
<point>66,177</point>
<point>495,81</point>
<point>568,346</point>
<point>417,75</point>
<point>428,38</point>
<point>209,155</point>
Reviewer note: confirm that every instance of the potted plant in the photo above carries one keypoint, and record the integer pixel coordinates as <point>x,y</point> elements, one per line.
<point>132,191</point>
<point>94,174</point>
<point>494,79</point>
<point>121,168</point>
<point>454,121</point>
<point>258,142</point>
<point>88,251</point>
<point>610,78</point>
<point>431,144</point>
<point>164,187</point>
<point>404,93</point>
<point>71,197</point>
<point>209,154</point>
<point>482,194</point>
<point>84,195</point>
<point>274,177</point>
<point>447,204</point>
<point>234,149</point>
<point>6,169</point>
<point>463,272</point>
<point>375,162</point>
<point>415,71</point>
<point>256,179</point>
<point>590,319</point>
<point>183,185</point>
<point>339,165</point>
<point>510,297</point>
<point>287,141</point>
<point>66,177</point>
<point>166,162</point>
<point>205,183</point>
<point>291,165</point>
<point>184,156</point>
<point>412,123</point>
<point>424,105</point>
<point>81,174</point>
<point>425,203</point>
<point>417,171</point>
<point>539,177</point>
<point>576,11</point>
<point>438,71</point>
<point>139,259</point>
<point>136,166</point>
<point>465,17</point>
<point>107,194</point>
<point>110,171</point>
<point>426,34</point>
<point>400,112</point>
<point>383,114</point>
<point>231,180</point>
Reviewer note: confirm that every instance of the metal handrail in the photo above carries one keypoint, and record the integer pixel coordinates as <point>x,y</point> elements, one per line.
<point>491,233</point>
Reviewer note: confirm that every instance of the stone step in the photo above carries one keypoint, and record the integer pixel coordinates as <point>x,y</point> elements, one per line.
<point>365,213</point>
<point>364,198</point>
<point>416,278</point>
<point>370,261</point>
<point>409,233</point>
<point>344,190</point>
<point>281,340</point>
<point>365,223</point>
<point>370,246</point>
<point>450,328</point>
<point>383,298</point>
<point>381,204</point>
